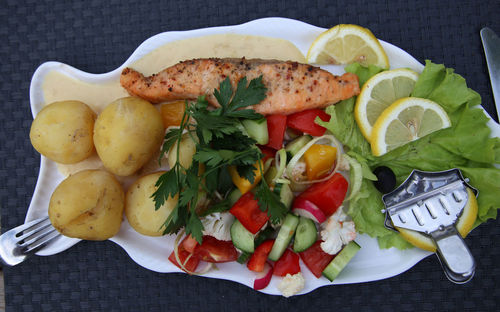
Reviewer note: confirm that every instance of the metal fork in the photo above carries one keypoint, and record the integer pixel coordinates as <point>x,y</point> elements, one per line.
<point>22,241</point>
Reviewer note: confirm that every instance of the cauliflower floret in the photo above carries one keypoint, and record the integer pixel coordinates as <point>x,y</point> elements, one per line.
<point>339,215</point>
<point>330,234</point>
<point>292,284</point>
<point>218,225</point>
<point>336,232</point>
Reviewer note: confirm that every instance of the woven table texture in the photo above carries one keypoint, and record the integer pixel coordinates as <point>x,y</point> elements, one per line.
<point>98,36</point>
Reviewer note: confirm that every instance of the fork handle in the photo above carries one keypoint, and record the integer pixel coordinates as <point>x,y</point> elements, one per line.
<point>455,257</point>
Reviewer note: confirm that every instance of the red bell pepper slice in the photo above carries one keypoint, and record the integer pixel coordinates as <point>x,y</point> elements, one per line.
<point>268,153</point>
<point>189,243</point>
<point>304,121</point>
<point>258,259</point>
<point>191,265</point>
<point>247,211</point>
<point>327,195</point>
<point>287,264</point>
<point>316,259</point>
<point>276,126</point>
<point>215,251</point>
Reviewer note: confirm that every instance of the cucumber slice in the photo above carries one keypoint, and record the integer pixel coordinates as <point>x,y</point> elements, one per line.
<point>305,235</point>
<point>257,130</point>
<point>285,193</point>
<point>291,134</point>
<point>241,237</point>
<point>234,196</point>
<point>284,237</point>
<point>338,263</point>
<point>295,145</point>
<point>270,174</point>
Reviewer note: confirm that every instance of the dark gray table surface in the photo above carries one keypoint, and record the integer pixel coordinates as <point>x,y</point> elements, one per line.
<point>97,37</point>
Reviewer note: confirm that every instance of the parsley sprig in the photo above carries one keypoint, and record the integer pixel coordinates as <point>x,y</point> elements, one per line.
<point>220,142</point>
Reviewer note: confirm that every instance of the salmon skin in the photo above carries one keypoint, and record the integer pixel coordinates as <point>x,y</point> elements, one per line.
<point>291,86</point>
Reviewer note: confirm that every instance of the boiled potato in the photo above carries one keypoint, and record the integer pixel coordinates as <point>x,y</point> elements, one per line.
<point>186,151</point>
<point>63,131</point>
<point>88,205</point>
<point>140,207</point>
<point>126,134</point>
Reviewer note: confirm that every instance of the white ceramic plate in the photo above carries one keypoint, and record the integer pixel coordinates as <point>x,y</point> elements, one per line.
<point>369,264</point>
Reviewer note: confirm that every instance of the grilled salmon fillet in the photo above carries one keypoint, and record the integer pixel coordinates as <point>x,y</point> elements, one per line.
<point>291,86</point>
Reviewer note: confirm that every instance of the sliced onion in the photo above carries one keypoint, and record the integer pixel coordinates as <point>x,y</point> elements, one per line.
<point>295,159</point>
<point>280,164</point>
<point>305,208</point>
<point>283,181</point>
<point>207,268</point>
<point>176,253</point>
<point>263,278</point>
<point>267,165</point>
<point>218,195</point>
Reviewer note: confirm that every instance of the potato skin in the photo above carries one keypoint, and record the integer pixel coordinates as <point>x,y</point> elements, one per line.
<point>63,131</point>
<point>140,207</point>
<point>88,205</point>
<point>187,150</point>
<point>127,133</point>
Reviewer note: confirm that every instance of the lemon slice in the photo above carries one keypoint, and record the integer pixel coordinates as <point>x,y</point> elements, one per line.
<point>378,93</point>
<point>346,43</point>
<point>406,120</point>
<point>464,226</point>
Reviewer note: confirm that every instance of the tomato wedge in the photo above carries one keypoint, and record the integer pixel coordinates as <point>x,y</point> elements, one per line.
<point>327,195</point>
<point>287,264</point>
<point>316,259</point>
<point>276,126</point>
<point>214,250</point>
<point>191,265</point>
<point>247,211</point>
<point>258,259</point>
<point>304,121</point>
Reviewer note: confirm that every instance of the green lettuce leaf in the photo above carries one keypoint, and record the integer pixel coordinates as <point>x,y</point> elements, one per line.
<point>468,129</point>
<point>487,181</point>
<point>346,129</point>
<point>363,73</point>
<point>443,86</point>
<point>365,210</point>
<point>455,147</point>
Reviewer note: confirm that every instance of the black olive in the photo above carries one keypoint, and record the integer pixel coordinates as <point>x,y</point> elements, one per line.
<point>386,179</point>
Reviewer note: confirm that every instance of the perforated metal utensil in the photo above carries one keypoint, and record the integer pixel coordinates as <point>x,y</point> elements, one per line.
<point>431,203</point>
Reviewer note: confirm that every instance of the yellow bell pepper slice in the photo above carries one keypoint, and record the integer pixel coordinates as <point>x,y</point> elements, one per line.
<point>319,160</point>
<point>243,184</point>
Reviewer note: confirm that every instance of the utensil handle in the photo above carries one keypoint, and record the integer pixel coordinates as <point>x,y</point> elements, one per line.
<point>455,257</point>
<point>491,46</point>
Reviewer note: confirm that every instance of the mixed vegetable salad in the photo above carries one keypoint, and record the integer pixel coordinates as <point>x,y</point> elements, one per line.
<point>271,191</point>
<point>261,190</point>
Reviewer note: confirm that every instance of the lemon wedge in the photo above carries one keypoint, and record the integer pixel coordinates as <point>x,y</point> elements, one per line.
<point>464,226</point>
<point>378,93</point>
<point>406,120</point>
<point>347,43</point>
